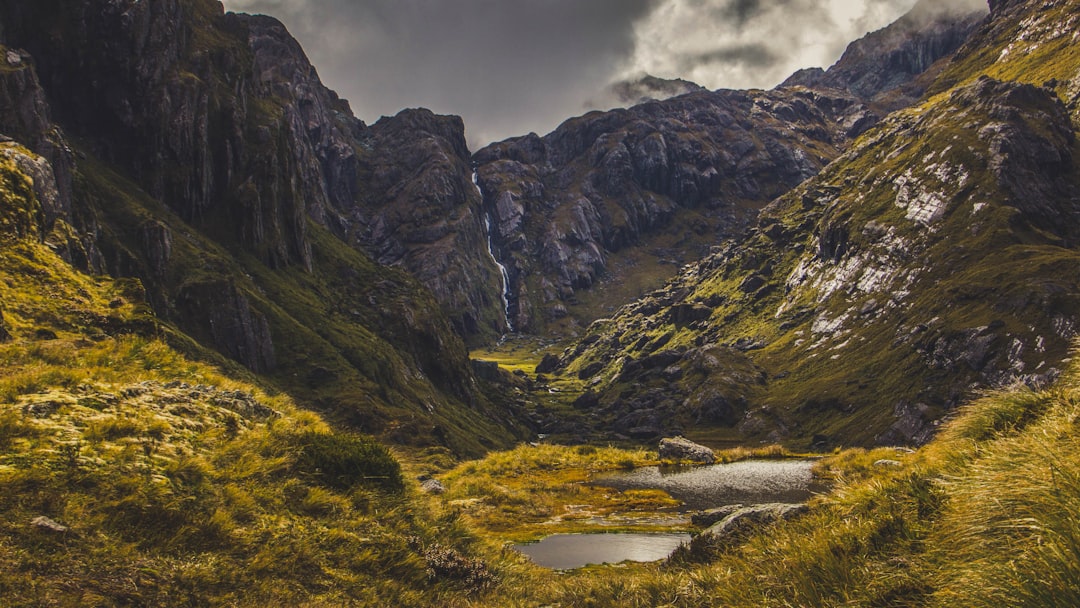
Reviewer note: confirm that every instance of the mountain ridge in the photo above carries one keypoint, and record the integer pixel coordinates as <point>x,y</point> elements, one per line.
<point>664,181</point>
<point>856,264</point>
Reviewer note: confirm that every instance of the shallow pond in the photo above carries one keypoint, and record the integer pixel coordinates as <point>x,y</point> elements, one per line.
<point>566,551</point>
<point>705,487</point>
<point>698,487</point>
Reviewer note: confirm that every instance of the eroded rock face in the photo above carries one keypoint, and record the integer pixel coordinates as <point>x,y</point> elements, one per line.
<point>695,168</point>
<point>421,211</point>
<point>924,265</point>
<point>234,326</point>
<point>892,67</point>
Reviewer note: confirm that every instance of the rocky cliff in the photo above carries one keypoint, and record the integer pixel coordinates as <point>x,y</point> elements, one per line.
<point>929,261</point>
<point>611,196</point>
<point>212,164</point>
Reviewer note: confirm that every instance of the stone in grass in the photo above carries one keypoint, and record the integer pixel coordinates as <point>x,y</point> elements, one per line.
<point>704,519</point>
<point>430,485</point>
<point>48,525</point>
<point>680,448</point>
<point>741,521</point>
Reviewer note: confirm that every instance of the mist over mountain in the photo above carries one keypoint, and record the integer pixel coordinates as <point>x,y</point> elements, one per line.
<point>509,68</point>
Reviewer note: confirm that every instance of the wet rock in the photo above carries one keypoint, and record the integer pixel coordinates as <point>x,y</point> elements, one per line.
<point>682,449</point>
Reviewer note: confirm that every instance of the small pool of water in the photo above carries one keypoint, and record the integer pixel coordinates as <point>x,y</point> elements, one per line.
<point>567,551</point>
<point>705,487</point>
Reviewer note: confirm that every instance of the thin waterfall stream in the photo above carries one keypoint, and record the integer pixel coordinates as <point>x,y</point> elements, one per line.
<point>491,252</point>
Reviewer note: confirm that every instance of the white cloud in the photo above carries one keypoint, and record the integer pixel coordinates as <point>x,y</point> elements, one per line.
<point>751,43</point>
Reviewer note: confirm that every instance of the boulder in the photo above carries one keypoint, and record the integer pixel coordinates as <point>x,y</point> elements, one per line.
<point>548,364</point>
<point>744,520</point>
<point>707,518</point>
<point>48,525</point>
<point>680,448</point>
<point>432,486</point>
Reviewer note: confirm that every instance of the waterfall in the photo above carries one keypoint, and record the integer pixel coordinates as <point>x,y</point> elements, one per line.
<point>491,252</point>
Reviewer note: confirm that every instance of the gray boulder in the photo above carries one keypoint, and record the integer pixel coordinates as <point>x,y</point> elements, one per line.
<point>742,521</point>
<point>704,519</point>
<point>48,525</point>
<point>680,448</point>
<point>432,486</point>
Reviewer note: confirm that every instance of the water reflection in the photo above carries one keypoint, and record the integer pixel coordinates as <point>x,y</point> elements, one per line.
<point>566,551</point>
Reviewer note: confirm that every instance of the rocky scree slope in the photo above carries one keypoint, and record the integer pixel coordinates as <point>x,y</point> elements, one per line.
<point>611,196</point>
<point>197,152</point>
<point>932,260</point>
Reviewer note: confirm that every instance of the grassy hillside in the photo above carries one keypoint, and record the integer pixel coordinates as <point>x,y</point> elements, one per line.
<point>167,480</point>
<point>929,260</point>
<point>985,515</point>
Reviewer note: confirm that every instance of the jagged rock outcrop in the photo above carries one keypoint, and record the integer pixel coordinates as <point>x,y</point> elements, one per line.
<point>926,263</point>
<point>690,170</point>
<point>892,67</point>
<point>421,211</point>
<point>216,168</point>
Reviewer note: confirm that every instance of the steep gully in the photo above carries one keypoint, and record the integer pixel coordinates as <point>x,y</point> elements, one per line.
<point>491,251</point>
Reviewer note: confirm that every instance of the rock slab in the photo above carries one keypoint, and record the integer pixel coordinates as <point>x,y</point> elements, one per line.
<point>680,448</point>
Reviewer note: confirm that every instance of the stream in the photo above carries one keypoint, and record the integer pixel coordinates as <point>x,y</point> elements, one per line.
<point>491,252</point>
<point>697,487</point>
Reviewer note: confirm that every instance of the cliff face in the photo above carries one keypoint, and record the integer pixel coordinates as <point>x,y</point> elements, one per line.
<point>420,211</point>
<point>674,177</point>
<point>214,166</point>
<point>927,262</point>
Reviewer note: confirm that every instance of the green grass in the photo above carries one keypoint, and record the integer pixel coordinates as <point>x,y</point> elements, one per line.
<point>984,516</point>
<point>183,483</point>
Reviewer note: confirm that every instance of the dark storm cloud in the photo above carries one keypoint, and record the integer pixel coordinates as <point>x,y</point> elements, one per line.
<point>513,66</point>
<point>506,67</point>
<point>754,54</point>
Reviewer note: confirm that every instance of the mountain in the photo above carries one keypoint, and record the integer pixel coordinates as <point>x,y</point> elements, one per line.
<point>928,262</point>
<point>647,88</point>
<point>197,152</point>
<point>610,203</point>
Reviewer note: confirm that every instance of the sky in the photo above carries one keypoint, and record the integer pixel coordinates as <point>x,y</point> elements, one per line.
<point>509,67</point>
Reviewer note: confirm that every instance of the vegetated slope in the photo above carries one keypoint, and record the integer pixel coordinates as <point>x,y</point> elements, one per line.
<point>983,516</point>
<point>930,261</point>
<point>616,199</point>
<point>198,152</point>
<point>133,475</point>
<point>223,119</point>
